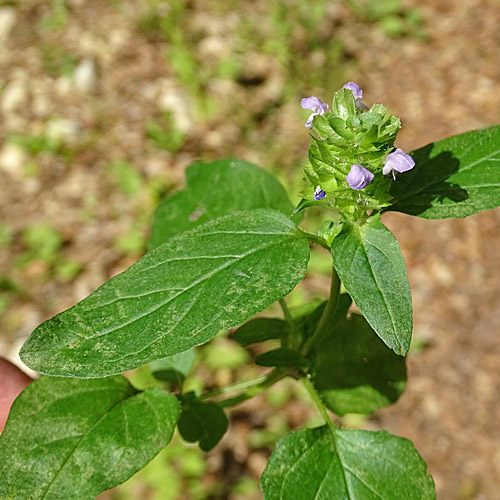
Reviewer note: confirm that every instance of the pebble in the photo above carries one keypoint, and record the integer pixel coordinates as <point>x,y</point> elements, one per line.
<point>64,129</point>
<point>7,22</point>
<point>85,76</point>
<point>14,96</point>
<point>12,160</point>
<point>178,103</point>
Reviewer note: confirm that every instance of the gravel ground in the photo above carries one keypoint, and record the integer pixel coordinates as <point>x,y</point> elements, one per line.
<point>444,83</point>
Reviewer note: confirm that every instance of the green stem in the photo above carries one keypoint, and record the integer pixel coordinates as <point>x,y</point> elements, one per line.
<point>233,388</point>
<point>275,376</point>
<point>286,311</point>
<point>324,323</point>
<point>289,340</point>
<point>317,401</point>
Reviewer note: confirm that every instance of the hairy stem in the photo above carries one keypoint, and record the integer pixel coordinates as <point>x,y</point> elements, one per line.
<point>317,401</point>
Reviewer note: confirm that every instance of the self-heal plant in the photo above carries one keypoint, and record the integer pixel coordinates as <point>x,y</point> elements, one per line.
<point>217,258</point>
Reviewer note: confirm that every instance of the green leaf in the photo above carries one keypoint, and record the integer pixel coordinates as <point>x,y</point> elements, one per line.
<point>369,263</point>
<point>176,297</point>
<point>203,422</point>
<point>456,177</point>
<point>282,357</point>
<point>213,190</point>
<point>305,325</point>
<point>260,330</point>
<point>322,464</point>
<point>339,125</point>
<point>355,372</point>
<point>173,369</point>
<point>70,438</point>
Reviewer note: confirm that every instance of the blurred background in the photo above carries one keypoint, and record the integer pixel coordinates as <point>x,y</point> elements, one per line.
<point>103,103</point>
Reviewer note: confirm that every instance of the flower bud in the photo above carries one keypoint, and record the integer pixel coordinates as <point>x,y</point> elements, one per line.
<point>319,193</point>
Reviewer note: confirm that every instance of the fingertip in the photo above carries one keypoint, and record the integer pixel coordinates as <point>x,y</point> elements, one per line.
<point>12,382</point>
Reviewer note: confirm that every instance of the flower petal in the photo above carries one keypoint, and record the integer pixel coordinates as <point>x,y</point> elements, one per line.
<point>399,161</point>
<point>356,89</point>
<point>359,177</point>
<point>309,122</point>
<point>314,104</point>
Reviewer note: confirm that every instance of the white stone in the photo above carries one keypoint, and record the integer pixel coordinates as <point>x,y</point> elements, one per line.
<point>14,96</point>
<point>214,47</point>
<point>85,76</point>
<point>12,160</point>
<point>7,22</point>
<point>174,100</point>
<point>64,129</point>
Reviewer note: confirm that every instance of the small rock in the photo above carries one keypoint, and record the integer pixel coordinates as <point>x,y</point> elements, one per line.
<point>173,99</point>
<point>12,160</point>
<point>214,47</point>
<point>85,76</point>
<point>14,96</point>
<point>7,22</point>
<point>64,129</point>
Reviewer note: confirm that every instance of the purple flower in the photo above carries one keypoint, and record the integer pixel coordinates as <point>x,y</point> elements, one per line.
<point>358,95</point>
<point>359,177</point>
<point>356,90</point>
<point>315,105</point>
<point>397,161</point>
<point>319,193</point>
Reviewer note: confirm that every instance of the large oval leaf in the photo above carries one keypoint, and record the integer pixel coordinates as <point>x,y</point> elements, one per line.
<point>369,262</point>
<point>70,438</point>
<point>215,189</point>
<point>355,372</point>
<point>176,297</point>
<point>321,464</point>
<point>455,177</point>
